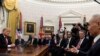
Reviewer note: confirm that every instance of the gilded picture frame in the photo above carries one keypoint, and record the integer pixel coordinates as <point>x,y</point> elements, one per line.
<point>48,29</point>
<point>29,28</point>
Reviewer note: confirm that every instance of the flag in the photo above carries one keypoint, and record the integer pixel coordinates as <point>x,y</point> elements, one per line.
<point>19,28</point>
<point>18,33</point>
<point>60,23</point>
<point>41,32</point>
<point>84,20</point>
<point>41,22</point>
<point>20,21</point>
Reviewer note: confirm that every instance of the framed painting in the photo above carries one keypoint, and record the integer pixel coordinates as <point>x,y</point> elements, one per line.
<point>48,29</point>
<point>29,28</point>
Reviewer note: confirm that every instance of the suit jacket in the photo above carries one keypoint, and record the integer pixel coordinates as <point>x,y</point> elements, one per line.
<point>42,42</point>
<point>93,51</point>
<point>59,51</point>
<point>35,42</point>
<point>73,42</point>
<point>17,42</point>
<point>3,43</point>
<point>63,43</point>
<point>57,37</point>
<point>85,45</point>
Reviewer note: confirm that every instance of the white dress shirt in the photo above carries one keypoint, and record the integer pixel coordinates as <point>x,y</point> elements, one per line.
<point>68,42</point>
<point>59,42</point>
<point>96,38</point>
<point>32,41</point>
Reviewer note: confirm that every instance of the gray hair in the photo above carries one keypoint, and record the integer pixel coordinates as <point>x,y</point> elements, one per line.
<point>96,18</point>
<point>96,15</point>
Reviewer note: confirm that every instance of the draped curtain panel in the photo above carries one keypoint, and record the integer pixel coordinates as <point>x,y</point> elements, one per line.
<point>13,19</point>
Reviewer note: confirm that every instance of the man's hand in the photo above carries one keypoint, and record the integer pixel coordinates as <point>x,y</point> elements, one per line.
<point>57,45</point>
<point>74,50</point>
<point>67,49</point>
<point>12,45</point>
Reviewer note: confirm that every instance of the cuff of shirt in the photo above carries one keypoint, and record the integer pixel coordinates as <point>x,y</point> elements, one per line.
<point>77,51</point>
<point>9,49</point>
<point>9,46</point>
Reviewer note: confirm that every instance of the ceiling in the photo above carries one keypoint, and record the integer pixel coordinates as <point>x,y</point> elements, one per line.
<point>66,1</point>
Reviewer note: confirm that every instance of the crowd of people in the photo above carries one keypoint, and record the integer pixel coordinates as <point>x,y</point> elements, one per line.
<point>82,40</point>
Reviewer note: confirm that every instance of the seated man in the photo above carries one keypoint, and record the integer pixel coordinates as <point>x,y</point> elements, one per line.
<point>42,41</point>
<point>32,40</point>
<point>48,40</point>
<point>5,40</point>
<point>19,41</point>
<point>94,30</point>
<point>81,44</point>
<point>58,50</point>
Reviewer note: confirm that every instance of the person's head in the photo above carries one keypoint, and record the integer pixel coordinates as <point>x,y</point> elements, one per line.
<point>94,25</point>
<point>65,35</point>
<point>42,37</point>
<point>19,36</point>
<point>73,24</point>
<point>68,34</point>
<point>33,36</point>
<point>49,37</point>
<point>61,35</point>
<point>81,34</point>
<point>86,24</point>
<point>6,31</point>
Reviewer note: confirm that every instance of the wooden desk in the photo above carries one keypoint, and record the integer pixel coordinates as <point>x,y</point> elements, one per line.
<point>29,51</point>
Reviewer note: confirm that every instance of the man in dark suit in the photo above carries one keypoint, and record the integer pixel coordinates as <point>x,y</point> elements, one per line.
<point>94,29</point>
<point>83,43</point>
<point>57,35</point>
<point>42,41</point>
<point>5,40</point>
<point>19,41</point>
<point>59,48</point>
<point>32,40</point>
<point>70,41</point>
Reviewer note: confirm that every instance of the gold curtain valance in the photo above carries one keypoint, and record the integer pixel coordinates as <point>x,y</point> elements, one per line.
<point>10,4</point>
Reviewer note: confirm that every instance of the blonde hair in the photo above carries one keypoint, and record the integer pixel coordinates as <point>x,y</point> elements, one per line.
<point>6,29</point>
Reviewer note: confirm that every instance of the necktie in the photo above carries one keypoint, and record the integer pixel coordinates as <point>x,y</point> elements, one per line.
<point>32,42</point>
<point>68,43</point>
<point>49,43</point>
<point>6,40</point>
<point>79,44</point>
<point>92,43</point>
<point>60,42</point>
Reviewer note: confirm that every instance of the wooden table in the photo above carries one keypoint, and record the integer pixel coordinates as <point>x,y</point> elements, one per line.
<point>29,51</point>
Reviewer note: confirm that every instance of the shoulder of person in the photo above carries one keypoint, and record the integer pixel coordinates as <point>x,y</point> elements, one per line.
<point>1,34</point>
<point>9,37</point>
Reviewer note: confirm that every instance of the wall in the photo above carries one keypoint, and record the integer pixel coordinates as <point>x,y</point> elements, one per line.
<point>33,10</point>
<point>3,19</point>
